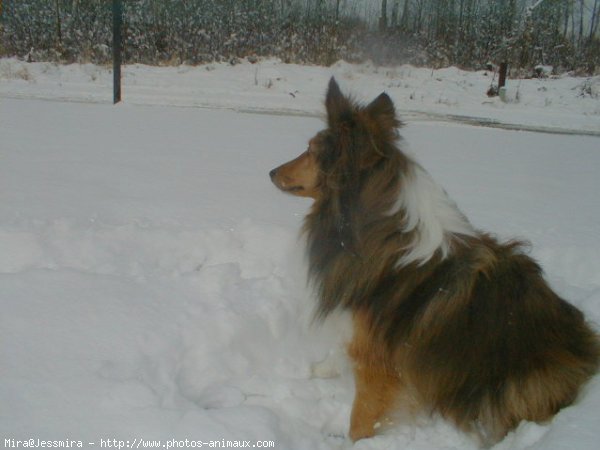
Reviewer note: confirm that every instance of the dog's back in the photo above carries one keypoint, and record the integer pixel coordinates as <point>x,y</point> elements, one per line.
<point>490,344</point>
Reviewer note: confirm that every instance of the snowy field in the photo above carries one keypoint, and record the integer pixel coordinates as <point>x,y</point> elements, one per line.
<point>151,278</point>
<point>555,103</point>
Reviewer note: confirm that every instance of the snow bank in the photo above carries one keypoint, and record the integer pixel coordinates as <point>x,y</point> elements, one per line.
<point>556,103</point>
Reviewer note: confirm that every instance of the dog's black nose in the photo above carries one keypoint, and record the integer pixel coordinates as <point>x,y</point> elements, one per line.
<point>272,173</point>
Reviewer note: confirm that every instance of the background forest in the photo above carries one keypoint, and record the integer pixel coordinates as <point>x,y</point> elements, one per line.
<point>466,33</point>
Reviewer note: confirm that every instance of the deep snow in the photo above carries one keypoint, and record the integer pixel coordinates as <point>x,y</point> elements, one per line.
<point>152,282</point>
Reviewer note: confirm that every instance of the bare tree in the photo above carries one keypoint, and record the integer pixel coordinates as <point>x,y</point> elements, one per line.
<point>581,9</point>
<point>594,20</point>
<point>394,18</point>
<point>58,24</point>
<point>383,18</point>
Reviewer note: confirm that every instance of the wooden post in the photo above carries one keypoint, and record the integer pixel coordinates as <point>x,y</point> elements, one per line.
<point>502,74</point>
<point>502,81</point>
<point>117,10</point>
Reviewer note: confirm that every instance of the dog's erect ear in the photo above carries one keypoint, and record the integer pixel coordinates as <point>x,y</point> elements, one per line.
<point>382,109</point>
<point>339,108</point>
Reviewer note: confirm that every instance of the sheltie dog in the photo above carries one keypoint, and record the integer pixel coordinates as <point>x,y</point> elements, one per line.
<point>446,319</point>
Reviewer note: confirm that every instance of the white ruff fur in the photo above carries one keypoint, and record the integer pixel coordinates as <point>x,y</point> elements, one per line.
<point>429,212</point>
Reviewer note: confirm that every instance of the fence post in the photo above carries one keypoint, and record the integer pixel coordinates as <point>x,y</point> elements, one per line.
<point>502,74</point>
<point>502,81</point>
<point>117,10</point>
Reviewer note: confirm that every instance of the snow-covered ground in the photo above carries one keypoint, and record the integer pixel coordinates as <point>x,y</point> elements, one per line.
<point>151,279</point>
<point>557,103</point>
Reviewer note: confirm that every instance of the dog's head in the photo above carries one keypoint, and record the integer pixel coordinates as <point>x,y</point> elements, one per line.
<point>356,140</point>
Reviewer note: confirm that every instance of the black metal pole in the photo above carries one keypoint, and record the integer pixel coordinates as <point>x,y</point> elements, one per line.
<point>117,9</point>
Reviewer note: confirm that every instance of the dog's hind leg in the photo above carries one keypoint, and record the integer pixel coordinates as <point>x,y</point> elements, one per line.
<point>377,384</point>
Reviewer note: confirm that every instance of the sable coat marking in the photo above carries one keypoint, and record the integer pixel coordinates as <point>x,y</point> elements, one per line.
<point>446,319</point>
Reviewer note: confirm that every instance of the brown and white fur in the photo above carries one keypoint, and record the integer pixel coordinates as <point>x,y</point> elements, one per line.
<point>446,319</point>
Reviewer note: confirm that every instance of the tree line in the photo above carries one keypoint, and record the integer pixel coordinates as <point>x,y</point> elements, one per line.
<point>467,33</point>
<point>525,33</point>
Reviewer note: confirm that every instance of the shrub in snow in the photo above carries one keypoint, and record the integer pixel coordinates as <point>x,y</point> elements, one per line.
<point>590,88</point>
<point>542,71</point>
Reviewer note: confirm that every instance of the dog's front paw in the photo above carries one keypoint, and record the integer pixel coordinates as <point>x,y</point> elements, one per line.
<point>362,431</point>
